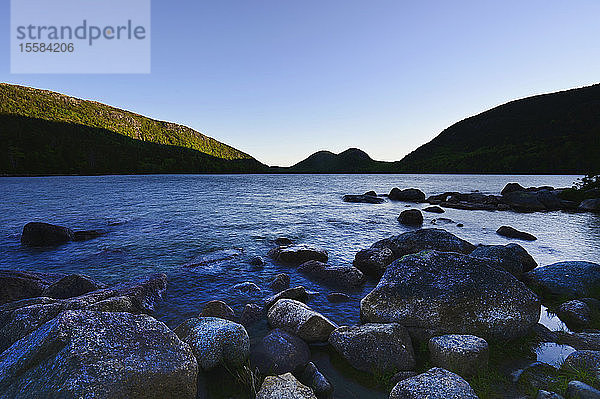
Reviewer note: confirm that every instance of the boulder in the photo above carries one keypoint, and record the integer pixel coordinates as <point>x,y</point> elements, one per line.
<point>511,257</point>
<point>408,195</point>
<point>37,234</point>
<point>215,342</point>
<point>346,276</point>
<point>375,348</point>
<point>537,376</point>
<point>251,314</point>
<point>71,286</point>
<point>566,280</point>
<point>284,386</point>
<point>547,395</point>
<point>247,287</point>
<point>583,361</point>
<point>512,187</point>
<point>99,355</point>
<point>280,282</point>
<point>373,261</point>
<point>377,258</point>
<point>510,232</point>
<point>312,378</point>
<point>217,309</point>
<point>298,254</point>
<point>371,193</point>
<point>464,355</point>
<point>280,352</point>
<point>20,318</point>
<point>365,199</point>
<point>15,284</point>
<point>411,217</point>
<point>532,200</point>
<point>436,383</point>
<point>433,209</point>
<point>590,205</point>
<point>451,293</point>
<point>257,261</point>
<point>580,390</point>
<point>297,318</point>
<point>576,314</point>
<point>297,293</point>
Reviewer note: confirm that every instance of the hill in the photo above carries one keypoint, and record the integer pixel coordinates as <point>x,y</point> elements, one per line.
<point>557,133</point>
<point>44,132</point>
<point>352,160</point>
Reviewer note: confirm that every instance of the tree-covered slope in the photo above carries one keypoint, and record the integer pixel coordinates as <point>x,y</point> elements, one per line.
<point>43,132</point>
<point>551,133</point>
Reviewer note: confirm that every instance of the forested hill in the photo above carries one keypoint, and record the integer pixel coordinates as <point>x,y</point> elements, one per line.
<point>545,134</point>
<point>44,132</point>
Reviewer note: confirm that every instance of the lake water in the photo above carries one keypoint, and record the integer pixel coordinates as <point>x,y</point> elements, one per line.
<point>162,223</point>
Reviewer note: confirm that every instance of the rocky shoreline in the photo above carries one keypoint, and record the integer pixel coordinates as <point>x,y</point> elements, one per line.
<point>446,319</point>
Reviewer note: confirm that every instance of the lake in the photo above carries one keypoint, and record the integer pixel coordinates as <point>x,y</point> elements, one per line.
<point>163,223</point>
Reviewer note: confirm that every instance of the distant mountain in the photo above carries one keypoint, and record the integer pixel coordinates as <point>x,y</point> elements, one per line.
<point>352,160</point>
<point>545,134</point>
<point>44,132</point>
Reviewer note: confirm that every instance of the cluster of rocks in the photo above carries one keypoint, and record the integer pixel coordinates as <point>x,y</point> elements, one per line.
<point>513,197</point>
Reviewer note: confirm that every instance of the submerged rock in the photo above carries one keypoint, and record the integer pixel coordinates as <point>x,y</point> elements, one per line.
<point>71,286</point>
<point>257,261</point>
<point>365,199</point>
<point>298,254</point>
<point>346,276</point>
<point>433,209</point>
<point>97,354</point>
<point>464,355</point>
<point>452,293</point>
<point>411,217</point>
<point>336,297</point>
<point>37,234</point>
<point>408,195</point>
<point>283,241</point>
<point>375,259</point>
<point>566,279</point>
<point>217,309</point>
<point>511,232</point>
<point>247,287</point>
<point>85,235</point>
<point>284,386</point>
<point>375,347</point>
<point>280,352</point>
<point>590,205</point>
<point>280,282</point>
<point>436,383</point>
<point>297,318</point>
<point>511,257</point>
<point>215,342</point>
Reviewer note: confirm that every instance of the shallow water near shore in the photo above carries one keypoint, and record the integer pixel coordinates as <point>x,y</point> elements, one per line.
<point>202,230</point>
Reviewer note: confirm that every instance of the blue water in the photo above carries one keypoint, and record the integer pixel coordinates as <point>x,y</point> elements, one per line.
<point>162,223</point>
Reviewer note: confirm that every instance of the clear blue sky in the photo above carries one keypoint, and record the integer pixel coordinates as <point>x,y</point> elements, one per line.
<point>283,79</point>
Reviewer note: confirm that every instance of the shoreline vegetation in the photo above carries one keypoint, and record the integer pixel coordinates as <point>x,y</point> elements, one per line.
<point>47,133</point>
<point>446,319</point>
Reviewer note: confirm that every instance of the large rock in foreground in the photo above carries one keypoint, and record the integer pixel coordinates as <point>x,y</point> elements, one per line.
<point>566,280</point>
<point>99,355</point>
<point>16,284</point>
<point>284,386</point>
<point>436,383</point>
<point>375,347</point>
<point>375,259</point>
<point>297,318</point>
<point>215,342</point>
<point>451,293</point>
